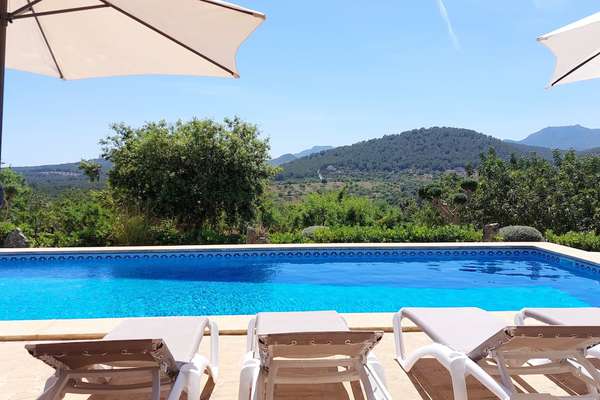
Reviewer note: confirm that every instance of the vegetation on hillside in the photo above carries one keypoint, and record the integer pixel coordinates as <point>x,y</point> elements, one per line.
<point>201,182</point>
<point>424,150</point>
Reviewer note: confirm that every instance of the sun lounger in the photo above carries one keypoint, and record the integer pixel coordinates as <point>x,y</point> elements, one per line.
<point>142,355</point>
<point>308,348</point>
<point>563,316</point>
<point>473,342</point>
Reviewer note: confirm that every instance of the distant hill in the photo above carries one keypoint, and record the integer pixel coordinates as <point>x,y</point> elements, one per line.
<point>58,177</point>
<point>305,153</point>
<point>419,150</point>
<point>574,137</point>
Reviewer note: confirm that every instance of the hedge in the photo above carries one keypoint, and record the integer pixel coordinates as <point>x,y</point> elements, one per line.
<point>588,241</point>
<point>400,234</point>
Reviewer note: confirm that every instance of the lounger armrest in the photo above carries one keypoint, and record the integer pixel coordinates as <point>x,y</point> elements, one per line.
<point>398,338</point>
<point>251,335</point>
<point>214,348</point>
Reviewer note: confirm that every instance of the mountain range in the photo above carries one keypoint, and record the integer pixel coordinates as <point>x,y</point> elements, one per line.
<point>574,137</point>
<point>58,177</point>
<point>305,153</point>
<point>419,151</point>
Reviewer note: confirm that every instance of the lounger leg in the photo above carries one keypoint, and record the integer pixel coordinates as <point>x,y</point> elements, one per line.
<point>273,370</point>
<point>475,370</point>
<point>248,376</point>
<point>55,387</point>
<point>156,384</point>
<point>377,368</point>
<point>178,386</point>
<point>208,389</point>
<point>193,385</point>
<point>364,378</point>
<point>357,392</point>
<point>458,375</point>
<point>377,382</point>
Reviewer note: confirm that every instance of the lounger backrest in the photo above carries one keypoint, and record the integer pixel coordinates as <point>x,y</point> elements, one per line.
<point>306,345</point>
<point>78,355</point>
<point>520,340</point>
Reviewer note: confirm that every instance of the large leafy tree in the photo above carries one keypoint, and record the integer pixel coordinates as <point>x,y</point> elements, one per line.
<point>198,173</point>
<point>563,195</point>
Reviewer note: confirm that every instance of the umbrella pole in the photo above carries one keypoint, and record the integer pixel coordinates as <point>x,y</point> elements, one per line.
<point>3,26</point>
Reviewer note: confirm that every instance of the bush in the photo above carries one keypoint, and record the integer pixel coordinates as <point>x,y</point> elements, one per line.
<point>516,233</point>
<point>588,241</point>
<point>286,237</point>
<point>376,234</point>
<point>5,229</point>
<point>132,230</point>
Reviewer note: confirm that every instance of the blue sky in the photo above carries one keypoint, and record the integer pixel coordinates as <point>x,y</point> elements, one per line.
<point>332,73</point>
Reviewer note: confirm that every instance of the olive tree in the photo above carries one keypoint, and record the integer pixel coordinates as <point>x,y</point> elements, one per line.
<point>198,173</point>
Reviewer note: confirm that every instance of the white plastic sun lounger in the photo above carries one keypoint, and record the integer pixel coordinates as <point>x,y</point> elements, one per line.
<point>306,348</point>
<point>563,316</point>
<point>473,342</point>
<point>142,355</point>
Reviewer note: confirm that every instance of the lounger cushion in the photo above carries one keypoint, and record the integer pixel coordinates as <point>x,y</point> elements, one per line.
<point>565,316</point>
<point>290,322</point>
<point>182,335</point>
<point>461,329</point>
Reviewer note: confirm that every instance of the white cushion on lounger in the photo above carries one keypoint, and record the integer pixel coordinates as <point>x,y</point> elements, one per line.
<point>181,334</point>
<point>461,329</point>
<point>268,323</point>
<point>566,316</point>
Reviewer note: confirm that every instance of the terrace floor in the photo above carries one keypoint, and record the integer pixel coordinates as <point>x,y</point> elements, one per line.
<point>22,377</point>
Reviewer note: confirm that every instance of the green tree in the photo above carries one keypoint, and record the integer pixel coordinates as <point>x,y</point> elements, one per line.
<point>562,195</point>
<point>198,173</point>
<point>91,169</point>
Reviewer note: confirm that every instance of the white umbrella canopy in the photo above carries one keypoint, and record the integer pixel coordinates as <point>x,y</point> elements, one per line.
<point>577,50</point>
<point>76,39</point>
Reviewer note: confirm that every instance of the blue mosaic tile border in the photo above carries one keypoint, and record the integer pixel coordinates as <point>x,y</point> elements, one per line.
<point>343,253</point>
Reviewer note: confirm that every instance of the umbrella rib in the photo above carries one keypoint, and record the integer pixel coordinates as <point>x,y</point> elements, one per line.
<point>165,35</point>
<point>230,7</point>
<point>60,73</point>
<point>61,11</point>
<point>26,7</point>
<point>576,68</point>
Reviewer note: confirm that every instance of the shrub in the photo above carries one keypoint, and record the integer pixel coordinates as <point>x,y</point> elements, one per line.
<point>167,233</point>
<point>132,230</point>
<point>516,233</point>
<point>5,229</point>
<point>376,234</point>
<point>213,236</point>
<point>588,241</point>
<point>286,237</point>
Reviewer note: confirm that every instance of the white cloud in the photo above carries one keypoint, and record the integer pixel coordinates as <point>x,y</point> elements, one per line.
<point>446,17</point>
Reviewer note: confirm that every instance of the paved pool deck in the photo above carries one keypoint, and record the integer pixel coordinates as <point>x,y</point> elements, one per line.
<point>22,377</point>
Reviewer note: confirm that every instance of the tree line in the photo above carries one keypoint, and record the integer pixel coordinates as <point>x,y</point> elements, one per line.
<point>203,181</point>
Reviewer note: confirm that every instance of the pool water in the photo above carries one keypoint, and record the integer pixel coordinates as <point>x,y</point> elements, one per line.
<point>237,282</point>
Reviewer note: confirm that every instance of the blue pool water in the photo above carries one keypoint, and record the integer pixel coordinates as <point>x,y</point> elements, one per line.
<point>245,282</point>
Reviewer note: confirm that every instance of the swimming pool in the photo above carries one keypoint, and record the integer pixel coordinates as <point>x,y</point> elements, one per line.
<point>95,285</point>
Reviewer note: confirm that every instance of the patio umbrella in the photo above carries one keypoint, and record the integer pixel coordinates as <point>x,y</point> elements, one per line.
<point>577,50</point>
<point>75,39</point>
